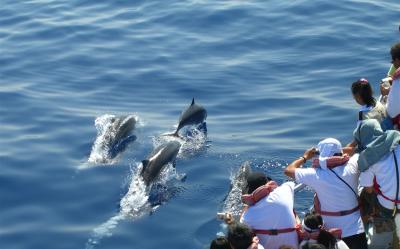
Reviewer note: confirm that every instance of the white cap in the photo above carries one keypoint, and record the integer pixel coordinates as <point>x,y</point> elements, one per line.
<point>327,148</point>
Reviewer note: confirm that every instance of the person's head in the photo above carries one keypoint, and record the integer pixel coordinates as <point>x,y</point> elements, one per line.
<point>255,180</point>
<point>313,246</point>
<point>286,247</point>
<point>329,147</point>
<point>220,243</point>
<point>314,223</point>
<point>240,236</point>
<point>362,92</point>
<point>395,53</point>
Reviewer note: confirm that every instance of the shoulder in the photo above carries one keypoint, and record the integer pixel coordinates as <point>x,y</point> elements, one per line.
<point>302,175</point>
<point>288,185</point>
<point>353,162</point>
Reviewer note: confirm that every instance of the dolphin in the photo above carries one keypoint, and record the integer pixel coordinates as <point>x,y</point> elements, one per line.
<point>117,134</point>
<point>193,114</point>
<point>232,202</point>
<point>157,160</point>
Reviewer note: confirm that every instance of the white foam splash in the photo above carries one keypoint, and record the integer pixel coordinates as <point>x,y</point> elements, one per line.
<point>190,145</point>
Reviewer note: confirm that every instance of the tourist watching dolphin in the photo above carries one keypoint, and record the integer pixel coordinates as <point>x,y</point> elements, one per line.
<point>334,178</point>
<point>363,95</point>
<point>370,107</point>
<point>379,164</point>
<point>393,99</point>
<point>220,243</point>
<point>269,211</point>
<point>240,236</point>
<point>314,232</point>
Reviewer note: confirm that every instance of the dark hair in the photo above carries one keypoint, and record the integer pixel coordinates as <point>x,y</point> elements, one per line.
<point>220,243</point>
<point>313,246</point>
<point>314,221</point>
<point>364,90</point>
<point>240,236</point>
<point>395,51</point>
<point>255,180</point>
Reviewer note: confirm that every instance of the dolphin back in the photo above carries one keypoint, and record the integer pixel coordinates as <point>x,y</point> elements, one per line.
<point>124,125</point>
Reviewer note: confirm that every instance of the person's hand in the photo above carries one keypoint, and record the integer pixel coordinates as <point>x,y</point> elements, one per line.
<point>229,218</point>
<point>385,86</point>
<point>310,153</point>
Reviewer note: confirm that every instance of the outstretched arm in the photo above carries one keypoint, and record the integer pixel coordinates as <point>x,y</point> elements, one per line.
<point>290,169</point>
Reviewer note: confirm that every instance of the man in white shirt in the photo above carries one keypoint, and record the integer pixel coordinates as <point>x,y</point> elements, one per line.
<point>336,189</point>
<point>271,217</point>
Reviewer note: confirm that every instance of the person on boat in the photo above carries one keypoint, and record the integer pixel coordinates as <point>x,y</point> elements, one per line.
<point>395,53</point>
<point>220,243</point>
<point>314,232</point>
<point>393,99</point>
<point>334,178</point>
<point>240,236</point>
<point>379,164</point>
<point>393,92</point>
<point>370,108</point>
<point>269,211</point>
<point>363,95</point>
<point>313,246</point>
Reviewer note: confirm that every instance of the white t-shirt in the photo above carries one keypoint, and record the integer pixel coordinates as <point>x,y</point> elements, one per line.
<point>385,173</point>
<point>274,212</point>
<point>393,101</point>
<point>334,195</point>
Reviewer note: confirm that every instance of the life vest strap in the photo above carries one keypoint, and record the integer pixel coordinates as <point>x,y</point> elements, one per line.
<point>379,192</point>
<point>274,231</point>
<point>339,213</point>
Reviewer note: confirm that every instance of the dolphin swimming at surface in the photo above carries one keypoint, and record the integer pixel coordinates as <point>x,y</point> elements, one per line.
<point>117,136</point>
<point>233,202</point>
<point>193,114</point>
<point>114,134</point>
<point>158,159</point>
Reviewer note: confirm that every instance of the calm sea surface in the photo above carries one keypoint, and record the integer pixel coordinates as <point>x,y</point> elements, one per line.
<point>274,77</point>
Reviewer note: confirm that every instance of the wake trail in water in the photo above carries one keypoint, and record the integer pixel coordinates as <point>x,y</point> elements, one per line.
<point>135,203</point>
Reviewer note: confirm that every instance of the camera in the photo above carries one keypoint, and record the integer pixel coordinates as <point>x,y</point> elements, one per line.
<point>386,82</point>
<point>222,216</point>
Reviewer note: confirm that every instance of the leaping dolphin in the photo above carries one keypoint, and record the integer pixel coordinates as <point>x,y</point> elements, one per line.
<point>157,160</point>
<point>193,114</point>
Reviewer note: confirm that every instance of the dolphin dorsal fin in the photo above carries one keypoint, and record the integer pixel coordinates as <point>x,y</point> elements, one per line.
<point>145,163</point>
<point>192,101</point>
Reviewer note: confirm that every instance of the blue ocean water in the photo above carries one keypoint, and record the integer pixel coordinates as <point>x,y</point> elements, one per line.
<point>274,77</point>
